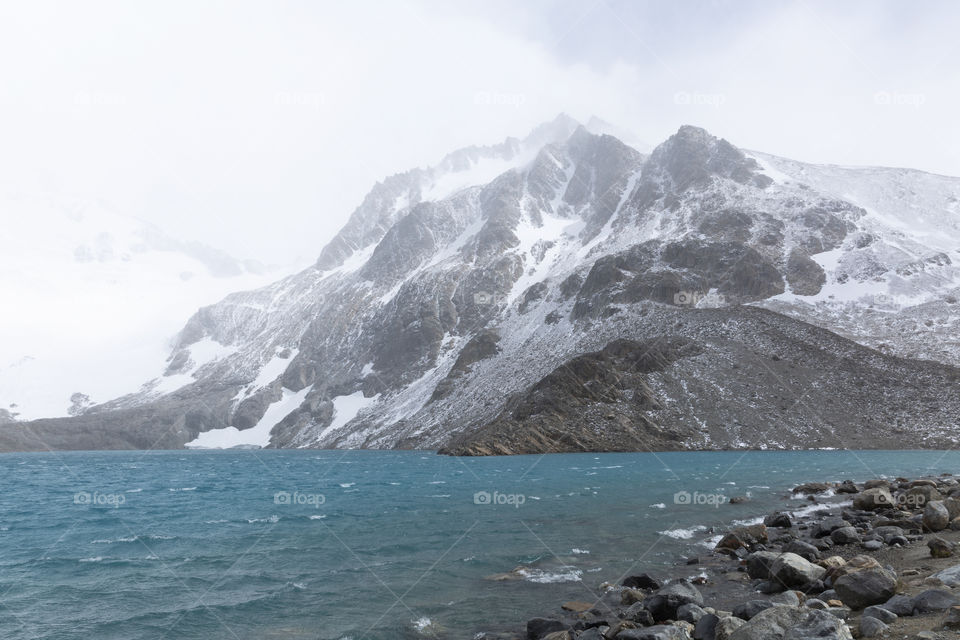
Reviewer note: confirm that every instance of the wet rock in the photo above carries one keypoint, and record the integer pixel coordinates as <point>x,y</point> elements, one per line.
<point>743,538</point>
<point>778,519</point>
<point>847,486</point>
<point>863,588</point>
<point>539,628</point>
<point>760,562</point>
<point>577,606</point>
<point>663,604</point>
<point>811,488</point>
<point>642,581</point>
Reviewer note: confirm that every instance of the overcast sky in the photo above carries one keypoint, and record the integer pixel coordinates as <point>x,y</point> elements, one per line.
<point>258,126</point>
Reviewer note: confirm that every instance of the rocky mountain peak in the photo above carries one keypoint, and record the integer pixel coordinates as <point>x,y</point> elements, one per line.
<point>693,156</point>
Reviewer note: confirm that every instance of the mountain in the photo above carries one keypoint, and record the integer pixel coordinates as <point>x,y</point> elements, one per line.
<point>568,292</point>
<point>92,298</point>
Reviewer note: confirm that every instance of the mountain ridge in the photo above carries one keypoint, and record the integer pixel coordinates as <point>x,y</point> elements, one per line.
<point>395,344</point>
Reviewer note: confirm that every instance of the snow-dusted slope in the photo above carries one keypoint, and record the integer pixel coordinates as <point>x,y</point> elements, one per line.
<point>450,291</point>
<point>890,285</point>
<point>93,298</point>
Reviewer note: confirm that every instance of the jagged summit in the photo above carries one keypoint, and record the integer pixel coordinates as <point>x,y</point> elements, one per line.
<point>453,291</point>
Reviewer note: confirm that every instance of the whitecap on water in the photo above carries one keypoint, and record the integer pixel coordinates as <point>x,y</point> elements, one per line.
<point>683,534</point>
<point>659,505</point>
<point>271,520</point>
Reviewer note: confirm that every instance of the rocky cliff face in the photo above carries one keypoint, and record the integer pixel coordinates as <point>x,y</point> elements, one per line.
<point>516,297</point>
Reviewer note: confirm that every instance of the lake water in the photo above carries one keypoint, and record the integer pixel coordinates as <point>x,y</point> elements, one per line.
<point>363,544</point>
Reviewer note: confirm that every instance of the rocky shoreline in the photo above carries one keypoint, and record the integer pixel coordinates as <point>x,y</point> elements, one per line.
<point>884,563</point>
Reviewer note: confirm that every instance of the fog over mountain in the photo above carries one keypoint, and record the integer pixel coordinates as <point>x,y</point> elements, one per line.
<point>717,293</point>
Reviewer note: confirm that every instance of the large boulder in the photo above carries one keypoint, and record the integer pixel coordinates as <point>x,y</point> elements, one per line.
<point>845,535</point>
<point>934,600</point>
<point>863,588</point>
<point>759,564</point>
<point>726,627</point>
<point>538,628</point>
<point>873,499</point>
<point>828,525</point>
<point>793,623</point>
<point>642,581</point>
<point>790,570</point>
<point>936,517</point>
<point>743,538</point>
<point>663,604</point>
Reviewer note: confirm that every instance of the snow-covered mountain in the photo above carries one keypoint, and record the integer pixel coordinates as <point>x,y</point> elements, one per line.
<point>92,299</point>
<point>508,299</point>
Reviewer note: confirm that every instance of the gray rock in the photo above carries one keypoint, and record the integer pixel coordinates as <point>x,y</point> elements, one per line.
<point>900,605</point>
<point>936,517</point>
<point>934,600</point>
<point>872,545</point>
<point>940,548</point>
<point>803,549</point>
<point>658,632</point>
<point>873,499</point>
<point>789,598</point>
<point>663,604</point>
<point>778,519</point>
<point>790,570</point>
<point>705,629</point>
<point>828,525</point>
<point>863,588</point>
<point>845,535</point>
<point>727,626</point>
<point>881,614</point>
<point>749,609</point>
<point>793,623</point>
<point>538,628</point>
<point>949,576</point>
<point>760,562</point>
<point>690,613</point>
<point>871,627</point>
